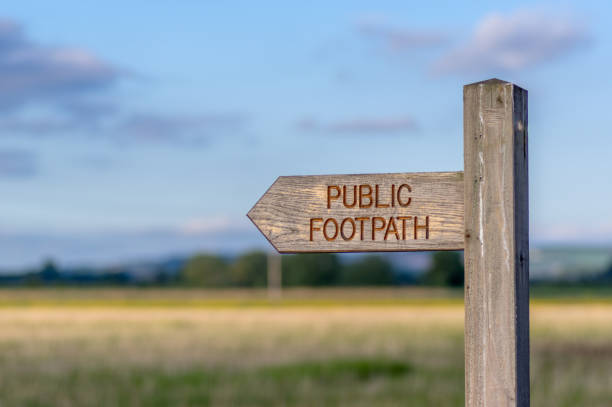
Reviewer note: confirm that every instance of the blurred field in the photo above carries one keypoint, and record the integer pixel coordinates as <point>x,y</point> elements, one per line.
<point>113,347</point>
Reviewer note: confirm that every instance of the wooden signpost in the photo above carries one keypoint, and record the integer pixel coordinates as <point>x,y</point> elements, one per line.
<point>483,211</point>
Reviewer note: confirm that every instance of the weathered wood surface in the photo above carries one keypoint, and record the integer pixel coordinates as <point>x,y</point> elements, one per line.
<point>435,200</point>
<point>496,245</point>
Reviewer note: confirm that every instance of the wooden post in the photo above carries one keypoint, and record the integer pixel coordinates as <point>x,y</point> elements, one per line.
<point>275,277</point>
<point>496,245</point>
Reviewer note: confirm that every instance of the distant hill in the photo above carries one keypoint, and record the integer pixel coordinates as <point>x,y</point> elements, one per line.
<point>568,263</point>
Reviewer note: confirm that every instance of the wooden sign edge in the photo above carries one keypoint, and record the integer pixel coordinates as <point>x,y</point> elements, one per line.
<point>253,220</point>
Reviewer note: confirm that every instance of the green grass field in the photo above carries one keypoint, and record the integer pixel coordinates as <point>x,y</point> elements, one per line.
<point>388,347</point>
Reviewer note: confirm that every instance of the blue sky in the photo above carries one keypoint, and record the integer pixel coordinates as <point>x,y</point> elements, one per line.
<point>143,129</point>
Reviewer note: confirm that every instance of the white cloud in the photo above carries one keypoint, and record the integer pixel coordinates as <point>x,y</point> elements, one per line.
<point>506,43</point>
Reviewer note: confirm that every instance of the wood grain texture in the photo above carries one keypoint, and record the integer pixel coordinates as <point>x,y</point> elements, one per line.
<point>496,245</point>
<point>285,211</point>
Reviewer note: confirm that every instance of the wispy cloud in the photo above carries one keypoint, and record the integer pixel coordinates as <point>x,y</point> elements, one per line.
<point>62,82</point>
<point>397,39</point>
<point>361,126</point>
<point>64,85</point>
<point>88,110</point>
<point>178,128</point>
<point>39,126</point>
<point>506,43</point>
<point>18,163</point>
<point>573,233</point>
<point>137,128</point>
<point>208,225</point>
<point>31,72</point>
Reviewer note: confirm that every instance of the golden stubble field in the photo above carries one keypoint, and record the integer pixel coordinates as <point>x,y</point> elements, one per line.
<point>357,348</point>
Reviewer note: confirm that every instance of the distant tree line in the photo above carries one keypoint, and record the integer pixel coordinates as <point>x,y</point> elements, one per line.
<point>50,274</point>
<point>314,269</point>
<point>607,276</point>
<point>249,270</point>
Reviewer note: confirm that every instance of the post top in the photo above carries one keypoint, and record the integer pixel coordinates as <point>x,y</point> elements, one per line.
<point>493,81</point>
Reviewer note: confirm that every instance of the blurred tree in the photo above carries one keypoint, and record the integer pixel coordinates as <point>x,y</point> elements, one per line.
<point>607,275</point>
<point>47,274</point>
<point>250,270</point>
<point>446,269</point>
<point>312,269</point>
<point>206,270</point>
<point>369,270</point>
<point>49,271</point>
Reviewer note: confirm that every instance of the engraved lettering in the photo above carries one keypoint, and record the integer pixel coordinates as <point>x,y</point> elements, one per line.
<point>312,227</point>
<point>331,197</point>
<point>344,195</point>
<point>378,205</point>
<point>327,221</point>
<point>425,226</point>
<point>353,230</point>
<point>404,219</point>
<point>363,195</point>
<point>369,196</point>
<point>361,220</point>
<point>377,228</point>
<point>389,230</point>
<point>399,195</point>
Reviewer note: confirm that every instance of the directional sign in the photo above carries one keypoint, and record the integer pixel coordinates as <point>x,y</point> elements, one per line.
<point>357,213</point>
<point>429,211</point>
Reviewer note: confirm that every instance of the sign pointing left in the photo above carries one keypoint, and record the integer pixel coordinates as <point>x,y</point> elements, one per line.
<point>368,212</point>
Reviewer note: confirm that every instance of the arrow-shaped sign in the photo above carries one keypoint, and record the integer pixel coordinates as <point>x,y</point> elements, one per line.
<point>358,213</point>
